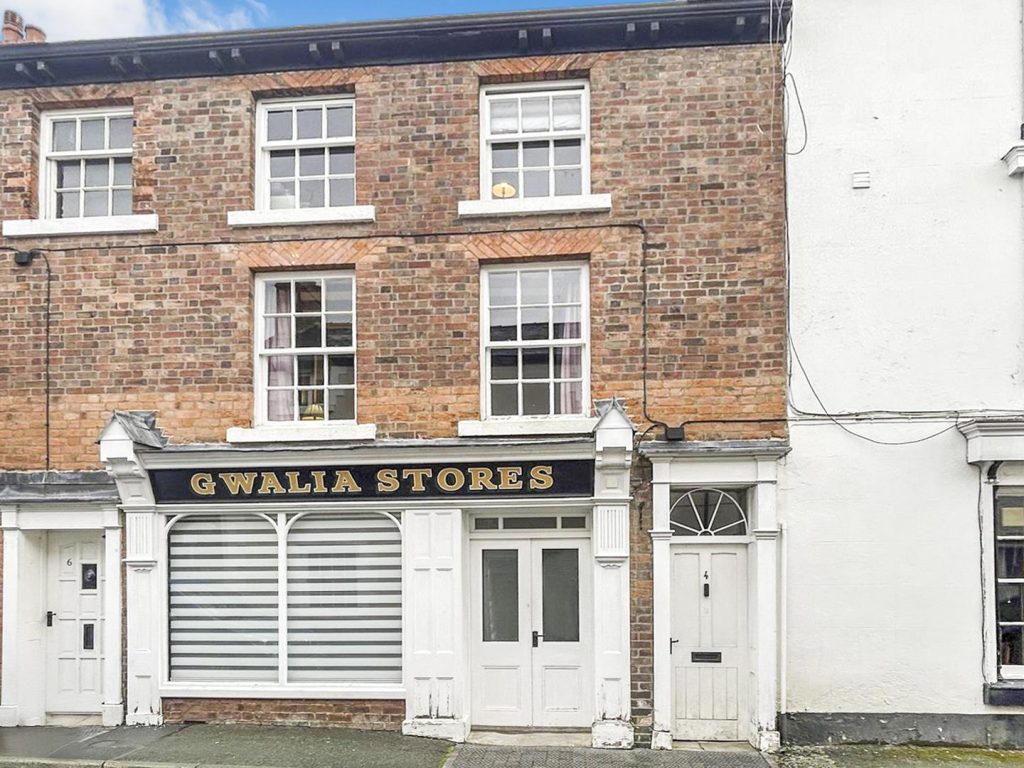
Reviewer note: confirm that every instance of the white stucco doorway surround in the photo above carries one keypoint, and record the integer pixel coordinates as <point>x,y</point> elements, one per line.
<point>715,558</point>
<point>62,615</point>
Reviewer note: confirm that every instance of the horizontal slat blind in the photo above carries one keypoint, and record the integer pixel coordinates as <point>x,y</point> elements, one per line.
<point>344,599</point>
<point>223,599</point>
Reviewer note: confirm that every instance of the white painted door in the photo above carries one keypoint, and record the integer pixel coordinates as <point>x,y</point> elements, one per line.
<point>74,623</point>
<point>709,642</point>
<point>531,624</point>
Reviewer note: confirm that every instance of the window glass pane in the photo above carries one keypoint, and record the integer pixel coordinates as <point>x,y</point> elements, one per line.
<point>341,369</point>
<point>569,397</point>
<point>536,399</point>
<point>535,323</point>
<point>536,363</point>
<point>567,152</point>
<point>120,132</point>
<point>282,194</point>
<point>281,405</point>
<point>311,194</point>
<point>122,171</point>
<point>282,164</point>
<point>311,162</point>
<point>122,202</point>
<point>504,155</point>
<point>339,330</point>
<point>500,595</point>
<point>308,331</point>
<point>535,184</point>
<point>343,160</point>
<point>535,154</point>
<point>278,298</point>
<point>307,296</point>
<point>222,593</point>
<point>1009,516</point>
<point>339,122</point>
<point>568,363</point>
<point>504,115</point>
<point>485,524</point>
<point>534,287</point>
<point>309,122</point>
<point>535,114</point>
<point>565,284</point>
<point>568,182</point>
<point>1008,602</point>
<point>311,404</point>
<point>1010,560</point>
<point>93,133</point>
<point>96,203</point>
<point>528,523</point>
<point>69,174</point>
<point>567,322</point>
<point>567,112</point>
<point>97,173</point>
<point>504,364</point>
<point>341,404</point>
<point>1010,645</point>
<point>68,205</point>
<point>281,370</point>
<point>504,400</point>
<point>63,135</point>
<point>504,185</point>
<point>338,294</point>
<point>344,599</point>
<point>501,288</point>
<point>560,576</point>
<point>279,125</point>
<point>311,370</point>
<point>503,325</point>
<point>343,192</point>
<point>574,522</point>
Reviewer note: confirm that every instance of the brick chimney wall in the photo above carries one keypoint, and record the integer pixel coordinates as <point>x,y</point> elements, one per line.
<point>15,31</point>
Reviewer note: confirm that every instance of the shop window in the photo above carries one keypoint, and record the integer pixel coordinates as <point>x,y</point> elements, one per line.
<point>86,163</point>
<point>306,154</point>
<point>535,141</point>
<point>1009,533</point>
<point>306,342</point>
<point>340,595</point>
<point>536,331</point>
<point>707,512</point>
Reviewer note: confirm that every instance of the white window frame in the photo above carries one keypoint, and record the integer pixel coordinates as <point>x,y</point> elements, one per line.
<point>489,93</point>
<point>260,420</point>
<point>48,160</point>
<point>1003,671</point>
<point>575,422</point>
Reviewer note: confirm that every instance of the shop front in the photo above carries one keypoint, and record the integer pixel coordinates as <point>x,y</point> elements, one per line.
<point>448,584</point>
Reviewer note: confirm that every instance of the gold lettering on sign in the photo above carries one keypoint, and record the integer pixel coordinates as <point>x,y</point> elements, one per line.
<point>238,481</point>
<point>293,483</point>
<point>450,479</point>
<point>345,483</point>
<point>202,484</point>
<point>417,475</point>
<point>480,478</point>
<point>510,478</point>
<point>540,477</point>
<point>319,486</point>
<point>270,484</point>
<point>387,480</point>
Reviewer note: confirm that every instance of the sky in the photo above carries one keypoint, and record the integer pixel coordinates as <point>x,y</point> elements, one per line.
<point>84,19</point>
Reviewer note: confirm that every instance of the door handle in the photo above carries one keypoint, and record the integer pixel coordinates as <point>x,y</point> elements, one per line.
<point>537,636</point>
<point>671,643</point>
<point>49,618</point>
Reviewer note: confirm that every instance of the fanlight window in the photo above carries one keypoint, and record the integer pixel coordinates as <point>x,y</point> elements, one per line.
<point>708,512</point>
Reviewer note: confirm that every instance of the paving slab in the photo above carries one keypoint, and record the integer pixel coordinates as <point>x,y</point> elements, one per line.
<point>880,756</point>
<point>479,756</point>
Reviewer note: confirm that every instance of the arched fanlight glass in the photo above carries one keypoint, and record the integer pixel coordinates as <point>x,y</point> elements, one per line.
<point>707,512</point>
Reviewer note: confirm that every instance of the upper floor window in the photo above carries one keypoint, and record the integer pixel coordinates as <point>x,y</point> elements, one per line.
<point>305,367</point>
<point>306,154</point>
<point>1009,534</point>
<point>535,141</point>
<point>535,331</point>
<point>86,164</point>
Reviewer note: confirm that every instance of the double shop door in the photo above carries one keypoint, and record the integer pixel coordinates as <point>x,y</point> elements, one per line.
<point>531,624</point>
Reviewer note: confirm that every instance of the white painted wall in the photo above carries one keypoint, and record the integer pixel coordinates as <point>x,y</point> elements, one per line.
<point>908,295</point>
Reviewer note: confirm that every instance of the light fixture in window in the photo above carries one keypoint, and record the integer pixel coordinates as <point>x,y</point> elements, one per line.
<point>503,190</point>
<point>313,412</point>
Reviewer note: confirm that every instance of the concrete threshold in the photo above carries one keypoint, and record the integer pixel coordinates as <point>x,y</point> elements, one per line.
<point>530,738</point>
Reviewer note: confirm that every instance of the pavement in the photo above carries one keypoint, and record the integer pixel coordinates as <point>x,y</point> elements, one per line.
<point>252,746</point>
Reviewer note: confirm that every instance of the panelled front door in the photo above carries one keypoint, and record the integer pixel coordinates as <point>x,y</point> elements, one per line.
<point>709,642</point>
<point>74,623</point>
<point>531,623</point>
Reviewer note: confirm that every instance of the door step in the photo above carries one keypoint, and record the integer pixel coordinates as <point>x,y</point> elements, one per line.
<point>531,737</point>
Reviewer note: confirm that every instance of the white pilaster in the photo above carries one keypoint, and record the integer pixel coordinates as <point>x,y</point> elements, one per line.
<point>435,663</point>
<point>113,706</point>
<point>9,683</point>
<point>766,545</point>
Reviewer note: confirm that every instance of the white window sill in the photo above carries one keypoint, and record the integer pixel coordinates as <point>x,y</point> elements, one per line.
<point>538,425</point>
<point>288,432</point>
<point>349,214</point>
<point>535,205</point>
<point>85,225</point>
<point>257,690</point>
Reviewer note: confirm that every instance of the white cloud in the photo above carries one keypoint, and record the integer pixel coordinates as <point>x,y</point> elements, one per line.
<point>86,19</point>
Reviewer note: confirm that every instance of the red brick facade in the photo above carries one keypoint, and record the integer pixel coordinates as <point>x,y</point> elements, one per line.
<point>367,714</point>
